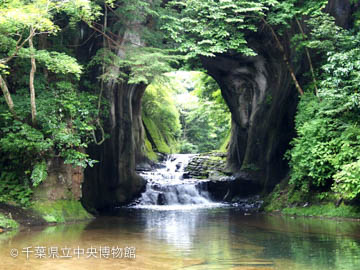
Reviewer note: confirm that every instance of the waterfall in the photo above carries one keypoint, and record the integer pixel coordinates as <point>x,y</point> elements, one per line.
<point>166,186</point>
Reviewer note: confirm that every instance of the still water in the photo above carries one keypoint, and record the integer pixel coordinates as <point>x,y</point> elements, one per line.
<point>194,238</point>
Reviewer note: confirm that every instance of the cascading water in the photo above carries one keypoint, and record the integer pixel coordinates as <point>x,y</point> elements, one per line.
<point>166,186</point>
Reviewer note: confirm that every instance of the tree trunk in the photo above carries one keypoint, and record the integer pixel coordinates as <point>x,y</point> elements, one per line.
<point>308,57</point>
<point>7,96</point>
<point>31,83</point>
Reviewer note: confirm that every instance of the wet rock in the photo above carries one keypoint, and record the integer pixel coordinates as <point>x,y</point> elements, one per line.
<point>145,167</point>
<point>250,204</point>
<point>216,176</point>
<point>200,166</point>
<point>161,157</point>
<point>159,166</point>
<point>161,200</point>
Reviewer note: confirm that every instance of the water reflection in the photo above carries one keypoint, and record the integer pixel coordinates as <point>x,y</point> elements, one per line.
<point>218,238</point>
<point>176,228</point>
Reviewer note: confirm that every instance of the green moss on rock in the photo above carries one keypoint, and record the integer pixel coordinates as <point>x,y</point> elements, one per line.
<point>61,211</point>
<point>161,142</point>
<point>324,210</point>
<point>149,152</point>
<point>225,143</point>
<point>7,223</point>
<point>286,200</point>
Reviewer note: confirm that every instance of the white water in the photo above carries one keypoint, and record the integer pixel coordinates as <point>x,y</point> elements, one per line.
<point>167,190</point>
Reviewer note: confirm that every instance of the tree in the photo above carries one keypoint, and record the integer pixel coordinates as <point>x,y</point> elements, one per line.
<point>208,28</point>
<point>20,22</point>
<point>326,152</point>
<point>61,117</point>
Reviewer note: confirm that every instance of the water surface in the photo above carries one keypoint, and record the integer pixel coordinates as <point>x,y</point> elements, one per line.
<point>200,238</point>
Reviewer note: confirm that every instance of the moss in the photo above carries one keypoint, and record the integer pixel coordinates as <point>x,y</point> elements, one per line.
<point>250,167</point>
<point>289,201</point>
<point>61,211</point>
<point>157,137</point>
<point>325,210</point>
<point>225,143</point>
<point>8,223</point>
<point>149,152</point>
<point>297,197</point>
<point>275,201</point>
<point>268,99</point>
<point>200,177</point>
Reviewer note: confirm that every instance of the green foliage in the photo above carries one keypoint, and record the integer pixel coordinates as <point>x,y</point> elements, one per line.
<point>347,180</point>
<point>207,122</point>
<point>142,55</point>
<point>135,65</point>
<point>54,61</point>
<point>39,173</point>
<point>147,63</point>
<point>327,150</point>
<point>161,117</point>
<point>187,147</point>
<point>21,20</point>
<point>324,210</point>
<point>20,138</point>
<point>14,187</point>
<point>65,121</point>
<point>65,124</point>
<point>324,144</point>
<point>149,151</point>
<point>155,134</point>
<point>179,120</point>
<point>208,27</point>
<point>207,126</point>
<point>8,223</point>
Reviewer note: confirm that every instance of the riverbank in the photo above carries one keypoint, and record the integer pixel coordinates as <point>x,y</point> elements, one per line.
<point>14,217</point>
<point>285,200</point>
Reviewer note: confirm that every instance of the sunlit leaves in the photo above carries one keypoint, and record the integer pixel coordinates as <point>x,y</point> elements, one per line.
<point>159,105</point>
<point>54,61</point>
<point>347,180</point>
<point>39,173</point>
<point>137,65</point>
<point>208,27</point>
<point>327,150</point>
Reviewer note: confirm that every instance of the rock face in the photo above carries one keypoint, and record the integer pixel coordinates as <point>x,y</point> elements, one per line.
<point>113,181</point>
<point>207,166</point>
<point>217,180</point>
<point>262,100</point>
<point>63,182</point>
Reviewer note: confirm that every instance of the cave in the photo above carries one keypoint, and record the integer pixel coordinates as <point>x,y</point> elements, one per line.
<point>262,99</point>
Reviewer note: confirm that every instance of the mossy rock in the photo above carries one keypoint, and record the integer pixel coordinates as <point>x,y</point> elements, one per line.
<point>149,151</point>
<point>7,223</point>
<point>156,137</point>
<point>61,211</point>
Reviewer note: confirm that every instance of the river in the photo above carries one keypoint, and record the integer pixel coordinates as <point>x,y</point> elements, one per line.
<point>185,232</point>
